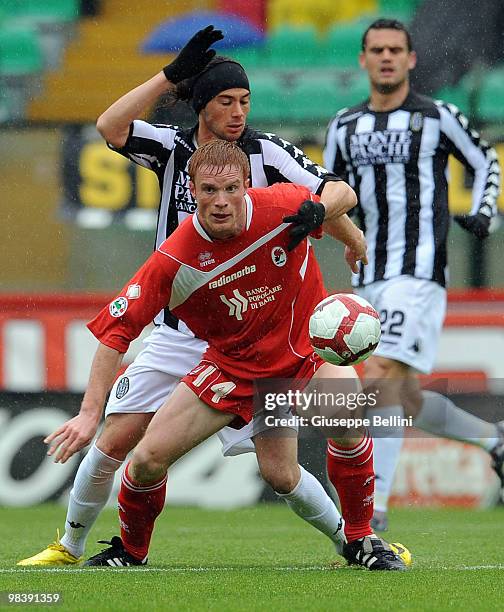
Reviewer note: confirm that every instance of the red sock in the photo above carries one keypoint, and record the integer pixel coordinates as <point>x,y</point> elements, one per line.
<point>139,507</point>
<point>351,472</point>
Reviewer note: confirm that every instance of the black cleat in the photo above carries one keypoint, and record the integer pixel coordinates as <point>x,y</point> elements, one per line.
<point>115,556</point>
<point>497,454</point>
<point>374,553</point>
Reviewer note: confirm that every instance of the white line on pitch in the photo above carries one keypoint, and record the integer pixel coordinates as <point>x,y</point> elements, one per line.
<point>78,570</point>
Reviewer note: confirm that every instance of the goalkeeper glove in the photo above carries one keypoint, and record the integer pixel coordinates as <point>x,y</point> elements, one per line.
<point>477,224</point>
<point>194,56</point>
<point>310,215</point>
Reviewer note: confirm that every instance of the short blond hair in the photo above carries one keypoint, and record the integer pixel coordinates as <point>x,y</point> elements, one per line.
<point>219,153</point>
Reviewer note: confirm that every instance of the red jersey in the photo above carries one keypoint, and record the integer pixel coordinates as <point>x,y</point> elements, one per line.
<point>247,296</point>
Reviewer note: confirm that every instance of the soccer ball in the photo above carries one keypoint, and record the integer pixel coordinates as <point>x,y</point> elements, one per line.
<point>402,552</point>
<point>344,329</point>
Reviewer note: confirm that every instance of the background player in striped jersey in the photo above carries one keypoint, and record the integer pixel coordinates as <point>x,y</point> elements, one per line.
<point>394,149</point>
<point>260,340</point>
<point>218,90</point>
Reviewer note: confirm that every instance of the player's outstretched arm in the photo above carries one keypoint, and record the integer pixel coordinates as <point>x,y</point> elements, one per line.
<point>338,198</point>
<point>344,229</point>
<point>114,123</point>
<point>480,159</point>
<point>78,432</point>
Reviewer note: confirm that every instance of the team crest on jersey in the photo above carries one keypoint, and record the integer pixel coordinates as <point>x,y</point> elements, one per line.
<point>118,307</point>
<point>278,256</point>
<point>205,259</point>
<point>134,291</point>
<point>416,122</point>
<point>122,387</point>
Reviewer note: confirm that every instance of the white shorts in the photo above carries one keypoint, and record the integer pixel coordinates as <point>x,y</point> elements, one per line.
<point>151,378</point>
<point>239,441</point>
<point>156,371</point>
<point>412,312</point>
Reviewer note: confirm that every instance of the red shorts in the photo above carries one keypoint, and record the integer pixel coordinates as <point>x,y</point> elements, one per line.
<point>235,395</point>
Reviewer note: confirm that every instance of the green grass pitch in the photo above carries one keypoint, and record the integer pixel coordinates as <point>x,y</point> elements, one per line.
<point>265,558</point>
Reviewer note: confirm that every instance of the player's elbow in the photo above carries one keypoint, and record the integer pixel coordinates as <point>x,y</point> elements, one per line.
<point>339,197</point>
<point>106,128</point>
<point>350,197</point>
<point>102,125</point>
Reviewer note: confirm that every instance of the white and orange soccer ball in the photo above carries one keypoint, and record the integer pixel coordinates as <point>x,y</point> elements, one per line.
<point>344,329</point>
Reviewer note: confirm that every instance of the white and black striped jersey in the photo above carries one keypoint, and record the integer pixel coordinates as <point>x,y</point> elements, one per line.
<point>166,150</point>
<point>397,163</point>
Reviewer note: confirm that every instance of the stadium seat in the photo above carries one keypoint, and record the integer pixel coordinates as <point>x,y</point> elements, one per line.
<point>249,57</point>
<point>11,8</point>
<point>293,47</point>
<point>400,9</point>
<point>327,12</point>
<point>311,99</point>
<point>490,107</point>
<point>20,52</point>
<point>458,95</point>
<point>267,99</point>
<point>351,89</point>
<point>343,44</point>
<point>44,10</point>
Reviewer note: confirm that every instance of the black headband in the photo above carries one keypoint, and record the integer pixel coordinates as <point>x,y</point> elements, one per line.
<point>218,78</point>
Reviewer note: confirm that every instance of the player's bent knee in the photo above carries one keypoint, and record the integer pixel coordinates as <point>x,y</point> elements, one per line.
<point>146,467</point>
<point>117,449</point>
<point>378,367</point>
<point>411,395</point>
<point>281,478</point>
<point>121,434</point>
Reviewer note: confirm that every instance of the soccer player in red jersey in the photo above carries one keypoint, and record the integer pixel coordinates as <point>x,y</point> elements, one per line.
<point>251,302</point>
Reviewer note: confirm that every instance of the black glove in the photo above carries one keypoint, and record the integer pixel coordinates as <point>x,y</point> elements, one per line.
<point>309,216</point>
<point>477,224</point>
<point>194,56</point>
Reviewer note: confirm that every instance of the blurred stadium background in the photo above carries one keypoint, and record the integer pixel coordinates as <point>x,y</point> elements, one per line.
<point>79,219</point>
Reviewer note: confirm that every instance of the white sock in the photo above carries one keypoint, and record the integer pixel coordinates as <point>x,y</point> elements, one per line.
<point>91,490</point>
<point>440,416</point>
<point>387,444</point>
<point>310,501</point>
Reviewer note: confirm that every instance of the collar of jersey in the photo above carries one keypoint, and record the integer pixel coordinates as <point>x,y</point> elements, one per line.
<point>202,232</point>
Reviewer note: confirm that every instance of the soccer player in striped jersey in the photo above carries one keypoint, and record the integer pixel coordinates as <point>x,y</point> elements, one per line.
<point>394,149</point>
<point>219,92</point>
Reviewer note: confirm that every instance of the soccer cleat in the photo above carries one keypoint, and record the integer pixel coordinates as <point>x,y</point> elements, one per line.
<point>373,553</point>
<point>114,556</point>
<point>402,552</point>
<point>497,454</point>
<point>379,522</point>
<point>55,554</point>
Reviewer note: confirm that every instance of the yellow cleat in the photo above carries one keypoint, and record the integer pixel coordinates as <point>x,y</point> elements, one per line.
<point>54,554</point>
<point>403,553</point>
